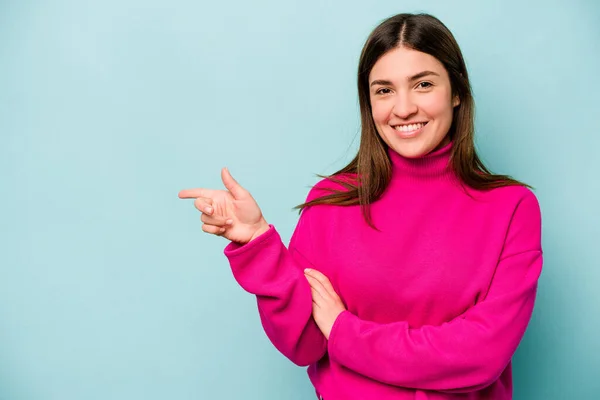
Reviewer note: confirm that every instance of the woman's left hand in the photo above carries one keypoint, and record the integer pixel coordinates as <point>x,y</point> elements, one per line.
<point>327,305</point>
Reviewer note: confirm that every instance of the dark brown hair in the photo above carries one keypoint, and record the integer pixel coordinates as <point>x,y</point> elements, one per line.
<point>372,167</point>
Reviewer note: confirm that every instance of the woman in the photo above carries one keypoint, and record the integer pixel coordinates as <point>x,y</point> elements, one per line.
<point>412,272</point>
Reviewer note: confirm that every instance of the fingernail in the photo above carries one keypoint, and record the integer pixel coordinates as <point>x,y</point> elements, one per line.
<point>208,209</point>
<point>307,270</point>
<point>229,222</point>
<point>222,230</point>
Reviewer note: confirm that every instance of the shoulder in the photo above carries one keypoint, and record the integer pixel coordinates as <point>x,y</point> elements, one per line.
<point>525,224</point>
<point>511,197</point>
<point>511,206</point>
<point>524,213</point>
<point>517,196</point>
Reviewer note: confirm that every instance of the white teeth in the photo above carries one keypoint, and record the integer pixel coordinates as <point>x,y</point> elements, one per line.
<point>409,128</point>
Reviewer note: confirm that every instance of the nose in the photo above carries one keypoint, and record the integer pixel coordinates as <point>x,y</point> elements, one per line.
<point>404,106</point>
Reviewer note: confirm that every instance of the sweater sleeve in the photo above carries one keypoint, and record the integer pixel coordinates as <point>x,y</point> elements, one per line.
<point>467,353</point>
<point>275,274</point>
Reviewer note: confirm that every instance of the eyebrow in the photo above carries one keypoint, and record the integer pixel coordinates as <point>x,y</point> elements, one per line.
<point>412,78</point>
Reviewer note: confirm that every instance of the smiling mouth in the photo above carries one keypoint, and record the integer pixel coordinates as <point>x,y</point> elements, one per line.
<point>409,127</point>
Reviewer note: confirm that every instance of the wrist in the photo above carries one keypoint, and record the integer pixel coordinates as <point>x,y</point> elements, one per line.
<point>263,227</point>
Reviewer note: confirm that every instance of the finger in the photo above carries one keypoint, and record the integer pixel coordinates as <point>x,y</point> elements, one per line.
<point>203,204</point>
<point>316,286</point>
<point>215,230</point>
<point>321,278</point>
<point>194,193</point>
<point>236,190</point>
<point>316,298</point>
<point>216,220</point>
<point>316,293</point>
<point>315,309</point>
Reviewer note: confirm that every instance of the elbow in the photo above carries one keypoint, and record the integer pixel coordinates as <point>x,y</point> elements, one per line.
<point>487,371</point>
<point>302,361</point>
<point>493,370</point>
<point>488,360</point>
<point>305,357</point>
<point>477,375</point>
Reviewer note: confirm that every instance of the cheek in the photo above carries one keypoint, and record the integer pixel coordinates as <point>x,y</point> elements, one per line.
<point>437,105</point>
<point>380,112</point>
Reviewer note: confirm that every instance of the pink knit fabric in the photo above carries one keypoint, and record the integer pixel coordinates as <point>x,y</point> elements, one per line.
<point>437,301</point>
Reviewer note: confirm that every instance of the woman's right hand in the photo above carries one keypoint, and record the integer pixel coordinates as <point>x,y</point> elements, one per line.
<point>231,213</point>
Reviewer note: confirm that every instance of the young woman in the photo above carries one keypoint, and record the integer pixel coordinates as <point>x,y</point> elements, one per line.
<point>412,272</point>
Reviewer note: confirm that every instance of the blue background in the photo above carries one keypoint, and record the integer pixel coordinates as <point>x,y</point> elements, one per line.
<point>108,287</point>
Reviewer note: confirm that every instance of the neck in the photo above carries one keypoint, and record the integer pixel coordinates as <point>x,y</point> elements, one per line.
<point>434,165</point>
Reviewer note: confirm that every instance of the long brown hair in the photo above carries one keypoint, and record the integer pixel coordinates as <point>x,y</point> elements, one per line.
<point>371,168</point>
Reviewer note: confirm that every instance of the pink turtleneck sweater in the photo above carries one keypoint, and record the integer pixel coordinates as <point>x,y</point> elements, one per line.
<point>437,301</point>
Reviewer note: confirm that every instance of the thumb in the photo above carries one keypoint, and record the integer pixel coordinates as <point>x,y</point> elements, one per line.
<point>236,190</point>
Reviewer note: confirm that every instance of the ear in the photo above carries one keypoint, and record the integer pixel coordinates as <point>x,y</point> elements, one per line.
<point>455,101</point>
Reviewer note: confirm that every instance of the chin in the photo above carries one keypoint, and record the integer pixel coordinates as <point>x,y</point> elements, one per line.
<point>415,149</point>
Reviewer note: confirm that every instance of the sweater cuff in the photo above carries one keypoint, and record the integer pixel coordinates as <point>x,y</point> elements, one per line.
<point>234,249</point>
<point>334,343</point>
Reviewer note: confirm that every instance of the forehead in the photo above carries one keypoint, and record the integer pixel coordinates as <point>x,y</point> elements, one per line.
<point>401,63</point>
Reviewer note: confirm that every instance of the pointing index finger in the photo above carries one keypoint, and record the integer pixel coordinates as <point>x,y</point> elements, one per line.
<point>194,193</point>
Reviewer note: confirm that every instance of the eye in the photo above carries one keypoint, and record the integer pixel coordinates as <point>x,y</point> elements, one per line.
<point>424,85</point>
<point>383,91</point>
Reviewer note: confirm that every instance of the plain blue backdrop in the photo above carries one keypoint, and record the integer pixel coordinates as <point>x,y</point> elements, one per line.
<point>108,287</point>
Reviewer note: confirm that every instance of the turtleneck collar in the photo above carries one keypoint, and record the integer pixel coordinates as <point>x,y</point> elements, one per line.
<point>433,165</point>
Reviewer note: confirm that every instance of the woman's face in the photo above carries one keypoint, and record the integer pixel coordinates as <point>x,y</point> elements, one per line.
<point>411,101</point>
